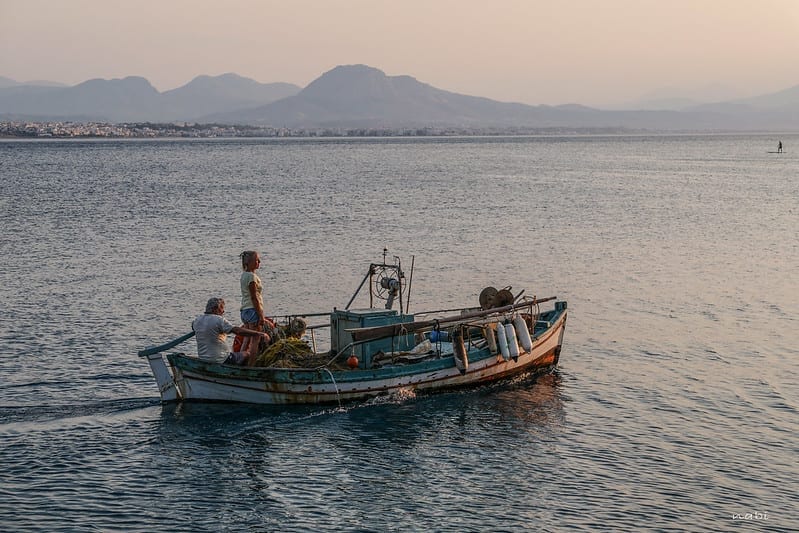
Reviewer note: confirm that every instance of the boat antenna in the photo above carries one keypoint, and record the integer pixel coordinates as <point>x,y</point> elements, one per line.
<point>410,284</point>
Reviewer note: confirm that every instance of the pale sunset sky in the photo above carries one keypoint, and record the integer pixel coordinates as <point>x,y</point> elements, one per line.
<point>593,52</point>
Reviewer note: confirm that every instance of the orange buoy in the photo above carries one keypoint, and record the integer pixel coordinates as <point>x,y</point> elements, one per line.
<point>352,361</point>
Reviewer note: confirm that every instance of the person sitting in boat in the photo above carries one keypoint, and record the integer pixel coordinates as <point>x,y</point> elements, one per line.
<point>212,329</point>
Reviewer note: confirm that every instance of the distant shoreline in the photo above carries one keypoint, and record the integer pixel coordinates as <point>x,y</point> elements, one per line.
<point>147,130</point>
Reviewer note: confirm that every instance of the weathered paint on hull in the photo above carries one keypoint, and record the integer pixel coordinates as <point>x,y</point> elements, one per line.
<point>285,386</point>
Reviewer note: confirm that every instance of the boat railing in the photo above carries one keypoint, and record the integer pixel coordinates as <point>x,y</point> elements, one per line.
<point>461,309</point>
<point>377,332</point>
<point>299,315</point>
<point>470,316</point>
<point>152,350</point>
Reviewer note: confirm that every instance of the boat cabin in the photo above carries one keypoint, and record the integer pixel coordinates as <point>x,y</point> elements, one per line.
<point>342,320</point>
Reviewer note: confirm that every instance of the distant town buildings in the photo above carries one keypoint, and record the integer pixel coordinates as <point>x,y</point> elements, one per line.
<point>133,130</point>
<point>67,130</point>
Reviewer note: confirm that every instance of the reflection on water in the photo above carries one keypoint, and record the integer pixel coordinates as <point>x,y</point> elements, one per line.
<point>526,402</point>
<point>534,405</point>
<point>287,459</point>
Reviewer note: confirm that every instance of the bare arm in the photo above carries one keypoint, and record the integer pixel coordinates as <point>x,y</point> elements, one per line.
<point>248,332</point>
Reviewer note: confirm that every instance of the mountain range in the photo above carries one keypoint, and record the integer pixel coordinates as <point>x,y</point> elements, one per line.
<point>359,96</point>
<point>134,99</point>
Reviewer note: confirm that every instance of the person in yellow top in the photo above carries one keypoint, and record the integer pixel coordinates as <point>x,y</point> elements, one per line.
<point>252,301</point>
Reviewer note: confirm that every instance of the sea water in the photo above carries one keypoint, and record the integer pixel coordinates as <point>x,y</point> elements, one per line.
<point>675,405</point>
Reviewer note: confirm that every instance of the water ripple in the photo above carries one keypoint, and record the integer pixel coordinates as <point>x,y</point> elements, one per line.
<point>674,408</point>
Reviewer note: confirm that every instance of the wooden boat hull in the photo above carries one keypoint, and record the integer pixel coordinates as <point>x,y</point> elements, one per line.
<point>193,379</point>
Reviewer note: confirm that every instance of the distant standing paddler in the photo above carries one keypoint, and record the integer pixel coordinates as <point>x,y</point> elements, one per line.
<point>779,147</point>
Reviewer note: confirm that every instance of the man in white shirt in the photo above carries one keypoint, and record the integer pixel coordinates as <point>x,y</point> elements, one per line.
<point>212,329</point>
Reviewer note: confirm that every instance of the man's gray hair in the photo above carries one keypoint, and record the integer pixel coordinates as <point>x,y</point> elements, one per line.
<point>213,304</point>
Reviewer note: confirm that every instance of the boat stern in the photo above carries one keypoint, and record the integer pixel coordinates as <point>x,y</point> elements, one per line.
<point>163,377</point>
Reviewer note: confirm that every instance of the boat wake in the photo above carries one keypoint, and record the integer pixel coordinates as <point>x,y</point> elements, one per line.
<point>399,396</point>
<point>17,419</point>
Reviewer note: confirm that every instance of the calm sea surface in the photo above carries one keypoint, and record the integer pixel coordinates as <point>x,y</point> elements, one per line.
<point>675,406</point>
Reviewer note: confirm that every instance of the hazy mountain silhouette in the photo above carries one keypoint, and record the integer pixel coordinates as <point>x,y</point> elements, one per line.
<point>679,99</point>
<point>117,99</point>
<point>134,99</point>
<point>362,96</point>
<point>359,96</point>
<point>8,82</point>
<point>206,94</point>
<point>779,110</point>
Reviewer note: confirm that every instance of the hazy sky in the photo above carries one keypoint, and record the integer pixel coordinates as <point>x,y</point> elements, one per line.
<point>595,52</point>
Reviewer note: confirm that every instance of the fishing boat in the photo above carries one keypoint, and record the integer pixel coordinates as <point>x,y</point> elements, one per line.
<point>377,351</point>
